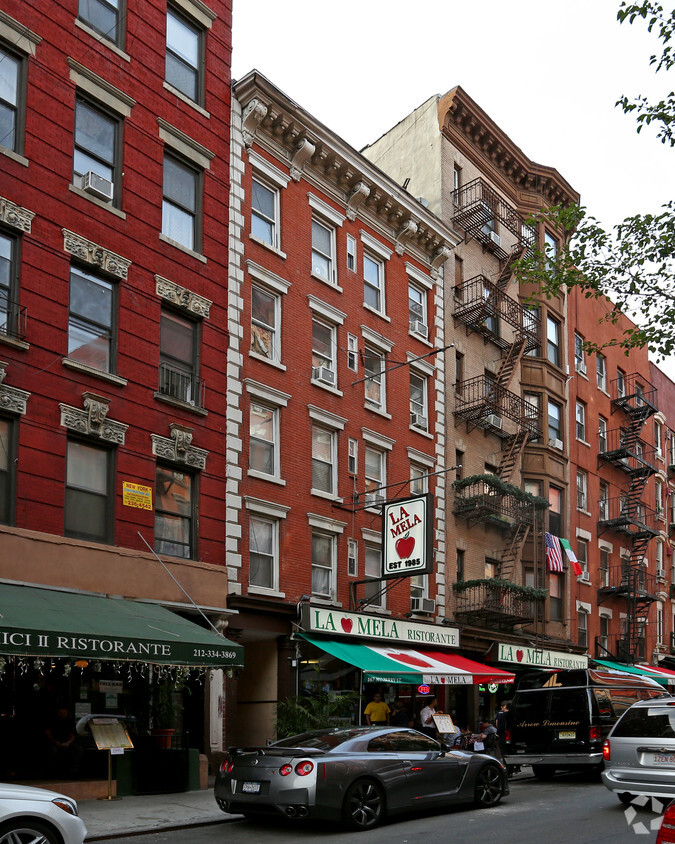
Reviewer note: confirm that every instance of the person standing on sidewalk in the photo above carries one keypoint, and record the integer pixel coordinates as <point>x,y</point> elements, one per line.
<point>377,712</point>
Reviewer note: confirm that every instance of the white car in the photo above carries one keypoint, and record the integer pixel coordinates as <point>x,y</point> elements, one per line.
<point>36,816</point>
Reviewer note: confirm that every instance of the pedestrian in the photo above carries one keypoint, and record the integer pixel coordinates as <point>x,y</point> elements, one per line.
<point>377,712</point>
<point>502,724</point>
<point>427,717</point>
<point>400,717</point>
<point>488,739</point>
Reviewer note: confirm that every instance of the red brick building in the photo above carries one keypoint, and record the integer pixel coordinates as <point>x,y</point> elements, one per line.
<point>114,149</point>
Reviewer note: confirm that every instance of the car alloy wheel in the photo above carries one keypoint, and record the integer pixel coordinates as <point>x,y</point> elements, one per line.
<point>26,832</point>
<point>364,804</point>
<point>489,786</point>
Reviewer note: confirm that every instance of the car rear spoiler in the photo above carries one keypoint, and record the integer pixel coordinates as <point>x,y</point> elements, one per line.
<point>276,751</point>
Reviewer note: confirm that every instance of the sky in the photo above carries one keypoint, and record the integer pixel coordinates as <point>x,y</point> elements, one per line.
<point>548,73</point>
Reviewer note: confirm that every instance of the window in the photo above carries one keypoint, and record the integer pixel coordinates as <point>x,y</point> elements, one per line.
<point>582,628</point>
<point>263,566</point>
<point>603,638</point>
<point>373,277</point>
<point>180,203</point>
<point>604,567</point>
<point>324,344</point>
<point>553,340</point>
<point>351,253</point>
<point>352,558</point>
<point>456,182</point>
<point>658,438</point>
<point>419,481</point>
<point>419,586</point>
<point>91,320</point>
<point>7,470</point>
<point>460,565</point>
<point>264,433</point>
<point>374,363</point>
<point>555,591</point>
<point>620,383</point>
<point>324,459</point>
<point>418,401</point>
<point>582,490</point>
<point>660,566</point>
<point>353,458</point>
<point>103,16</point>
<point>375,473</point>
<point>581,420</point>
<point>323,250</point>
<point>459,370</point>
<point>459,464</point>
<point>352,353</point>
<point>604,501</point>
<point>658,497</point>
<point>659,624</point>
<point>184,60</point>
<point>179,359</point>
<point>10,322</point>
<point>11,94</point>
<point>174,513</point>
<point>264,213</point>
<point>601,369</point>
<point>550,250</point>
<point>531,325</point>
<point>97,150</point>
<point>417,310</point>
<point>491,567</point>
<point>555,511</point>
<point>602,434</point>
<point>579,354</point>
<point>459,273</point>
<point>89,501</point>
<point>554,424</point>
<point>582,553</point>
<point>323,559</point>
<point>265,323</point>
<point>373,569</point>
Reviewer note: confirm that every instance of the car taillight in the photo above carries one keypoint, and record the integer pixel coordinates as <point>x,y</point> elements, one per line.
<point>304,768</point>
<point>595,733</point>
<point>507,736</point>
<point>285,770</point>
<point>667,831</point>
<point>606,755</point>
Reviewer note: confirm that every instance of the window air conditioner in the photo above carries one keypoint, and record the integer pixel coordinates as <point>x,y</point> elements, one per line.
<point>97,186</point>
<point>427,606</point>
<point>494,420</point>
<point>581,366</point>
<point>323,374</point>
<point>661,574</point>
<point>372,498</point>
<point>495,238</point>
<point>585,577</point>
<point>556,444</point>
<point>418,420</point>
<point>419,327</point>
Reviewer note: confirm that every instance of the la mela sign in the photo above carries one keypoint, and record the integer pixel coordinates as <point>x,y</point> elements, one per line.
<point>542,659</point>
<point>385,630</point>
<point>407,536</point>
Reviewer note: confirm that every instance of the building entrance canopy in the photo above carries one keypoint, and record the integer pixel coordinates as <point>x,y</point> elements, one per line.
<point>382,664</point>
<point>663,676</point>
<point>49,623</point>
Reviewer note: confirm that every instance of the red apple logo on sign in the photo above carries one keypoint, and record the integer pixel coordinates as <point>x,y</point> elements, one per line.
<point>347,624</point>
<point>404,546</point>
<point>519,655</point>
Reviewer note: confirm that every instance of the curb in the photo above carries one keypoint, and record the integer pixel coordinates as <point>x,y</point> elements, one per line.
<point>134,832</point>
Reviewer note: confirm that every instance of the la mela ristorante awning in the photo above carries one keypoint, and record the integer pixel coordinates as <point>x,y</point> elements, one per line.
<point>50,623</point>
<point>392,664</point>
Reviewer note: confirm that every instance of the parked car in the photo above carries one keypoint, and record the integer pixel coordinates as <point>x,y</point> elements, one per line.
<point>666,834</point>
<point>36,816</point>
<point>356,775</point>
<point>640,751</point>
<point>559,719</point>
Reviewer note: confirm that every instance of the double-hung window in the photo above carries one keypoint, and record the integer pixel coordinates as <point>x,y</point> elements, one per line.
<point>419,479</point>
<point>175,512</point>
<point>324,349</point>
<point>264,439</point>
<point>582,628</point>
<point>620,383</point>
<point>602,434</point>
<point>264,212</point>
<point>323,564</point>
<point>181,203</point>
<point>103,16</point>
<point>531,324</point>
<point>184,55</point>
<point>582,490</point>
<point>419,401</point>
<point>324,460</point>
<point>11,324</point>
<point>88,512</point>
<point>179,359</point>
<point>263,566</point>
<point>417,310</point>
<point>658,438</point>
<point>97,151</point>
<point>601,369</point>
<point>375,477</point>
<point>12,75</point>
<point>374,363</point>
<point>91,320</point>
<point>555,438</point>
<point>582,553</point>
<point>265,317</point>
<point>553,341</point>
<point>581,421</point>
<point>550,251</point>
<point>603,503</point>
<point>373,278</point>
<point>7,469</point>
<point>323,251</point>
<point>579,354</point>
<point>373,569</point>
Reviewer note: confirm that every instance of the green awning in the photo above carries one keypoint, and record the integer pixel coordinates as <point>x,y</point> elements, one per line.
<point>632,669</point>
<point>50,623</point>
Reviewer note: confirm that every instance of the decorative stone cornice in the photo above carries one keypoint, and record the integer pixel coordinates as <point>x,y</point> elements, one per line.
<point>439,258</point>
<point>14,215</point>
<point>254,114</point>
<point>360,193</point>
<point>97,256</point>
<point>182,297</point>
<point>178,448</point>
<point>408,230</point>
<point>12,400</point>
<point>93,421</point>
<point>304,152</point>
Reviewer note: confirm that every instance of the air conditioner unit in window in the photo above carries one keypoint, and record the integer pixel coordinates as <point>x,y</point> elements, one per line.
<point>419,327</point>
<point>427,606</point>
<point>581,366</point>
<point>661,574</point>
<point>97,186</point>
<point>418,421</point>
<point>372,498</point>
<point>556,444</point>
<point>585,577</point>
<point>323,374</point>
<point>495,238</point>
<point>494,420</point>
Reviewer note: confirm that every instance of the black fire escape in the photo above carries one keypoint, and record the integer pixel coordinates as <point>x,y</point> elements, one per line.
<point>635,399</point>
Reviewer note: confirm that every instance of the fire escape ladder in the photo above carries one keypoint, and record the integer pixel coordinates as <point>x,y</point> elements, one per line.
<point>510,360</point>
<point>512,453</point>
<point>638,551</point>
<point>512,552</point>
<point>507,269</point>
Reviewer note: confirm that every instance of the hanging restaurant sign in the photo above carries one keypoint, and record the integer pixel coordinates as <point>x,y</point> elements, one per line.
<point>520,654</point>
<point>407,536</point>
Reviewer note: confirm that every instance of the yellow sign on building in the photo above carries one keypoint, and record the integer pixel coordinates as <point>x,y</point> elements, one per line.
<point>135,495</point>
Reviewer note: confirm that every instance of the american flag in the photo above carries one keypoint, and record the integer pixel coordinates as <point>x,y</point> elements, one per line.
<point>553,553</point>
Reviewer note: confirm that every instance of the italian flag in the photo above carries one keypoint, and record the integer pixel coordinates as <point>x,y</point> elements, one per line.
<point>572,557</point>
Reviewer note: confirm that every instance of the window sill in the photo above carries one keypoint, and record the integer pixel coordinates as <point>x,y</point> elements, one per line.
<point>583,511</point>
<point>261,590</point>
<point>329,496</point>
<point>583,442</point>
<point>184,98</point>
<point>20,159</point>
<point>96,373</point>
<point>268,361</point>
<point>582,374</point>
<point>14,342</point>
<point>377,410</point>
<point>373,310</point>
<point>325,602</point>
<point>254,473</point>
<point>327,387</point>
<point>106,205</point>
<point>583,582</point>
<point>328,283</point>
<point>100,38</point>
<point>198,411</point>
<point>421,339</point>
<point>182,248</point>
<point>267,245</point>
<point>421,432</point>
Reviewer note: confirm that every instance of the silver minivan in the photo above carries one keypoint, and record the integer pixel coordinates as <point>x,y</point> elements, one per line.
<point>639,752</point>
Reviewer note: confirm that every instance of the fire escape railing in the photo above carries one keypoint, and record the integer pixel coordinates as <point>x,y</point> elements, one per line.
<point>480,398</point>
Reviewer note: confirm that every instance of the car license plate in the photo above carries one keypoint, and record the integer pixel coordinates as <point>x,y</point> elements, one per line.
<point>567,734</point>
<point>250,787</point>
<point>664,758</point>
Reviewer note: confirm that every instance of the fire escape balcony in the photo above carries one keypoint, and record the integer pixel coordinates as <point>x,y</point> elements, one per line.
<point>634,394</point>
<point>483,502</point>
<point>633,519</point>
<point>631,455</point>
<point>481,305</point>
<point>631,582</point>
<point>619,648</point>
<point>12,319</point>
<point>478,208</point>
<point>494,603</point>
<point>483,403</point>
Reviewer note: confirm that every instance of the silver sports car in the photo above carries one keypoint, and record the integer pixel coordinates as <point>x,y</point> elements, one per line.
<point>356,775</point>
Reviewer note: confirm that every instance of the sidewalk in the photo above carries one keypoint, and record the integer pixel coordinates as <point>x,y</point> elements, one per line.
<point>149,813</point>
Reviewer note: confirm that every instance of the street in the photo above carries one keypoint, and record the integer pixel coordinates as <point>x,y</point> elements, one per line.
<point>572,808</point>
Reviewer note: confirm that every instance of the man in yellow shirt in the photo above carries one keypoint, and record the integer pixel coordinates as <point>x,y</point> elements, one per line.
<point>377,712</point>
